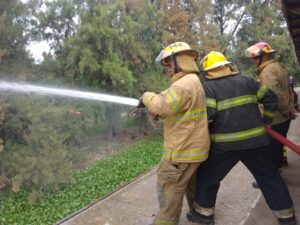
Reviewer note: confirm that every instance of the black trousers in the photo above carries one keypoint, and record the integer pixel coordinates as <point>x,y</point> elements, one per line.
<point>276,146</point>
<point>260,164</point>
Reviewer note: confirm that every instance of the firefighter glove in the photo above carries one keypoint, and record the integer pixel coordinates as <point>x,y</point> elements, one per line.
<point>141,104</point>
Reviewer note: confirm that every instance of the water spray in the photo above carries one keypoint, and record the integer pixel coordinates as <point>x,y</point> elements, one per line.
<point>41,90</point>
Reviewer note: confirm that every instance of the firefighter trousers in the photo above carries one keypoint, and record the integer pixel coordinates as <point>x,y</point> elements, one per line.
<point>260,164</point>
<point>174,180</point>
<point>276,146</point>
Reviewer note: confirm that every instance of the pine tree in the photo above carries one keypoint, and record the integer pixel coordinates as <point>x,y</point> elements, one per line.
<point>14,59</point>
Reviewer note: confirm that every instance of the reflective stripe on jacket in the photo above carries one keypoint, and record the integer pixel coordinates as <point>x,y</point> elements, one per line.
<point>276,77</point>
<point>183,110</point>
<point>232,103</point>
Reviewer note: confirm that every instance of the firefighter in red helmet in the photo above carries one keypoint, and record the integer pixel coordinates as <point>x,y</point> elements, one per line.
<point>275,76</point>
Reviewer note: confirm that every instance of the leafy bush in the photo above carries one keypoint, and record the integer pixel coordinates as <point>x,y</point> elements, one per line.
<point>40,137</point>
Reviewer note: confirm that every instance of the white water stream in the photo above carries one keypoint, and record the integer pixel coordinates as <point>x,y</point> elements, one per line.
<point>41,90</point>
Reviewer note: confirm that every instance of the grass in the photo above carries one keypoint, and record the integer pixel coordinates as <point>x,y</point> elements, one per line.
<point>89,184</point>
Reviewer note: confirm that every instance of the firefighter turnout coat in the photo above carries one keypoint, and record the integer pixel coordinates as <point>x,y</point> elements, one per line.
<point>273,75</point>
<point>232,102</point>
<point>182,108</point>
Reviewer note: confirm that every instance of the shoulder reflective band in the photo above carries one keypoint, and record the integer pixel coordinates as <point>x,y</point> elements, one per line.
<point>268,114</point>
<point>261,91</point>
<point>212,103</point>
<point>233,102</point>
<point>238,136</point>
<point>173,99</point>
<point>189,115</point>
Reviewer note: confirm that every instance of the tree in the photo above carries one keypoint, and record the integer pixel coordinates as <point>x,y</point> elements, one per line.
<point>99,54</point>
<point>265,22</point>
<point>15,61</point>
<point>203,26</point>
<point>56,23</point>
<point>228,16</point>
<point>189,21</point>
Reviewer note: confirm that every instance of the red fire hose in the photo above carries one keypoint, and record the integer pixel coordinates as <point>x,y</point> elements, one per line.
<point>283,140</point>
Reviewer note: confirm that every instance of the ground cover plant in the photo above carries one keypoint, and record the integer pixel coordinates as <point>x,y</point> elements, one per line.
<point>87,185</point>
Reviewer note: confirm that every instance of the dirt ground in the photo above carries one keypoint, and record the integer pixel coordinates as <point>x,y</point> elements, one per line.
<point>99,146</point>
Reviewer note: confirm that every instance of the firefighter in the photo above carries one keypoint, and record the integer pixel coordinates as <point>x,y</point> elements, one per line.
<point>182,108</point>
<point>273,75</point>
<point>237,134</point>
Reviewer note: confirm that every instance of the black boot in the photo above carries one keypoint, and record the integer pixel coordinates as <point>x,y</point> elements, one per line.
<point>199,218</point>
<point>288,221</point>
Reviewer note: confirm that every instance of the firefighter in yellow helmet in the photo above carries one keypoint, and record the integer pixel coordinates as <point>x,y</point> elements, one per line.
<point>273,75</point>
<point>186,139</point>
<point>237,134</point>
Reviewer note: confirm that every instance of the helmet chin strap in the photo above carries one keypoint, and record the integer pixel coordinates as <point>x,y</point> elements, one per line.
<point>176,67</point>
<point>260,60</point>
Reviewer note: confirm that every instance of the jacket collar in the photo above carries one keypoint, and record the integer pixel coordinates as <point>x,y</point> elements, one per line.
<point>264,64</point>
<point>221,72</point>
<point>177,76</point>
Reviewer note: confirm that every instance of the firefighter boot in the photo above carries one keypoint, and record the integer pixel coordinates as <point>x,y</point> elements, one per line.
<point>284,157</point>
<point>199,218</point>
<point>288,221</point>
<point>285,162</point>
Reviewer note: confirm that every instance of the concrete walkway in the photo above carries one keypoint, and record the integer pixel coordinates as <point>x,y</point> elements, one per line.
<point>262,215</point>
<point>137,203</point>
<point>237,204</point>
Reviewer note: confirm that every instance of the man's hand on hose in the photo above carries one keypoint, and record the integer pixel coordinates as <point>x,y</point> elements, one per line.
<point>141,104</point>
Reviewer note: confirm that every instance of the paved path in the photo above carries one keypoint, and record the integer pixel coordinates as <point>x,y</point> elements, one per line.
<point>137,203</point>
<point>262,215</point>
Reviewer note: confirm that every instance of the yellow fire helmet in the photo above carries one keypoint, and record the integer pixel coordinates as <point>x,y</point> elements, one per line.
<point>175,48</point>
<point>214,60</point>
<point>258,49</point>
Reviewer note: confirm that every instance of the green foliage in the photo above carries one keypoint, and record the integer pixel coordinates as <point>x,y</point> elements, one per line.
<point>99,179</point>
<point>109,46</point>
<point>48,71</point>
<point>56,23</point>
<point>96,54</point>
<point>39,138</point>
<point>15,61</point>
<point>264,22</point>
<point>114,47</point>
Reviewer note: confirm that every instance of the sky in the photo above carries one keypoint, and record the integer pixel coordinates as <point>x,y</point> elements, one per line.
<point>37,49</point>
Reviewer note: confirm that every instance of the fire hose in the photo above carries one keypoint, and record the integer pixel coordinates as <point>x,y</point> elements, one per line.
<point>283,140</point>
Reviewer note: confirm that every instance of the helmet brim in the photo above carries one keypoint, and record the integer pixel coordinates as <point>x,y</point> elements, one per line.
<point>250,55</point>
<point>217,64</point>
<point>163,60</point>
